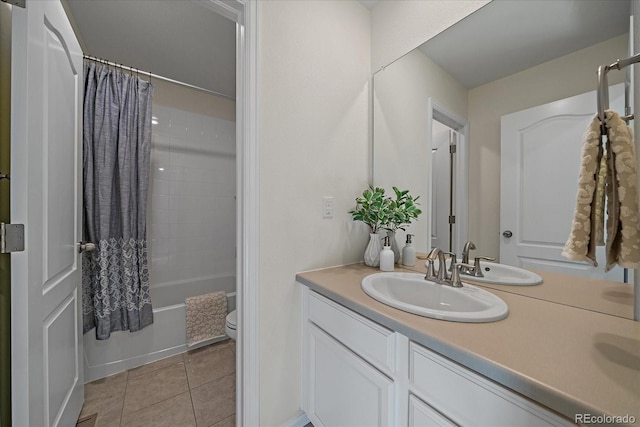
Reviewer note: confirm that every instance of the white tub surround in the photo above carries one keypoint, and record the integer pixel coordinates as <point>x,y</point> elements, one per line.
<point>165,337</point>
<point>192,213</point>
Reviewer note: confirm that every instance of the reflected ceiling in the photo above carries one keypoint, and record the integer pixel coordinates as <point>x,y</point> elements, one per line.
<point>508,36</point>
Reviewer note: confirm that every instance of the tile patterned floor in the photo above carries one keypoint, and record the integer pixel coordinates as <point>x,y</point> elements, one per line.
<point>194,389</point>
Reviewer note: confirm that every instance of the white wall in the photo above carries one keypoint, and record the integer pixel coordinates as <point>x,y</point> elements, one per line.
<point>567,76</point>
<point>399,26</point>
<point>314,70</point>
<point>191,215</point>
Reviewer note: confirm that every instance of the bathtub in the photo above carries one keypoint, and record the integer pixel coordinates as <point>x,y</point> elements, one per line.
<point>165,337</point>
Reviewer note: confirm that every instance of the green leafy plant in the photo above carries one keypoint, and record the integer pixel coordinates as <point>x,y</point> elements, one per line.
<point>372,208</point>
<point>402,211</point>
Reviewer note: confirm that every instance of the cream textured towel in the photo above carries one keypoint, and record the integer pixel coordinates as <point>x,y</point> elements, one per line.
<point>623,238</point>
<point>580,245</point>
<point>600,199</point>
<point>206,315</point>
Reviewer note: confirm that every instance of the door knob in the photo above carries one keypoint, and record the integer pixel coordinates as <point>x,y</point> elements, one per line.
<point>86,247</point>
<point>507,233</point>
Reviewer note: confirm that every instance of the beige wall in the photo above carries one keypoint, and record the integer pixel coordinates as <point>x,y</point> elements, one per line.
<point>401,150</point>
<point>314,70</point>
<point>399,26</point>
<point>567,76</point>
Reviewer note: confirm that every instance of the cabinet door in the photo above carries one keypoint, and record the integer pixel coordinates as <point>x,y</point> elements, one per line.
<point>344,389</point>
<point>423,415</point>
<point>470,399</point>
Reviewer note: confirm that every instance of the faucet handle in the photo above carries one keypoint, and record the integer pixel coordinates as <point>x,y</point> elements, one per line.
<point>454,258</point>
<point>455,276</point>
<point>430,269</point>
<point>433,254</point>
<point>443,267</point>
<point>477,270</point>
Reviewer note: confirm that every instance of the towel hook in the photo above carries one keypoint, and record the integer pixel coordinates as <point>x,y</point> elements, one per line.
<point>603,91</point>
<point>603,86</point>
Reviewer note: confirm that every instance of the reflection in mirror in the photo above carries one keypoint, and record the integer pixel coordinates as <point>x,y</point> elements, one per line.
<point>403,121</point>
<point>507,57</point>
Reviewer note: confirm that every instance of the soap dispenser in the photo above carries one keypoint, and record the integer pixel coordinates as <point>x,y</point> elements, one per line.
<point>386,256</point>
<point>409,253</point>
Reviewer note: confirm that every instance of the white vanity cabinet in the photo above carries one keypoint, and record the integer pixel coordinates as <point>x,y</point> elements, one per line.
<point>357,372</point>
<point>345,390</point>
<point>348,364</point>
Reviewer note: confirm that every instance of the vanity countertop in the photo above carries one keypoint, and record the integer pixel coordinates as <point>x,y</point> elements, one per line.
<point>569,358</point>
<point>604,296</point>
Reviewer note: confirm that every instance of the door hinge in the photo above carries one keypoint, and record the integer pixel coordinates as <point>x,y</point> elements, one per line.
<point>452,148</point>
<point>11,238</point>
<point>452,219</point>
<point>19,3</point>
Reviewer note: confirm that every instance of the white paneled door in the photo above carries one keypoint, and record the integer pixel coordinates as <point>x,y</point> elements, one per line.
<point>46,141</point>
<point>540,161</point>
<point>441,191</point>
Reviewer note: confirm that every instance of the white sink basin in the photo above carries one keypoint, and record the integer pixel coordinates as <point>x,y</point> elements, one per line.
<point>410,292</point>
<point>501,274</point>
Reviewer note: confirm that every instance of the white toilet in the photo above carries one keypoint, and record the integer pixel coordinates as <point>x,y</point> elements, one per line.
<point>231,325</point>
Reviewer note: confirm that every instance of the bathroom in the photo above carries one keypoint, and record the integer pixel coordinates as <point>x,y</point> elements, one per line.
<point>191,215</point>
<point>313,100</point>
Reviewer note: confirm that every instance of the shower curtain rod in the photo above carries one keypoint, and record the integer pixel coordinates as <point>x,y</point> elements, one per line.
<point>155,76</point>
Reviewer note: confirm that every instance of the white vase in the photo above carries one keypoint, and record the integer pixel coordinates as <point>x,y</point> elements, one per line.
<point>394,246</point>
<point>372,252</point>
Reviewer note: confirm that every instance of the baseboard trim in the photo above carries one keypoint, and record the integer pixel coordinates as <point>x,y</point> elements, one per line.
<point>300,420</point>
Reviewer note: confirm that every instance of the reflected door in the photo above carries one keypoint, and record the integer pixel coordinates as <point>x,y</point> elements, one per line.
<point>540,162</point>
<point>443,151</point>
<point>47,378</point>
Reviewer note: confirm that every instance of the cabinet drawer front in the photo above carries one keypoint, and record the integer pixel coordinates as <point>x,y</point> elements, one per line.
<point>344,389</point>
<point>469,399</point>
<point>371,341</point>
<point>423,415</point>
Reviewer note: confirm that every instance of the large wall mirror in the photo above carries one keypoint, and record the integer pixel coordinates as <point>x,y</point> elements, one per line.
<point>512,87</point>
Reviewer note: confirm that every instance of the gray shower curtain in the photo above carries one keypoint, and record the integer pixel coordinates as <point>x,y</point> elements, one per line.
<point>116,144</point>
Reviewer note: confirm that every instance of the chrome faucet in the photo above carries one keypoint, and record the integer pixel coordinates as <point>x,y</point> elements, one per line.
<point>465,251</point>
<point>442,267</point>
<point>475,269</point>
<point>441,277</point>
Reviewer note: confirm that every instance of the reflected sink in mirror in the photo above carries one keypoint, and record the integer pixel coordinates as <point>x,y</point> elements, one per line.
<point>410,292</point>
<point>502,274</point>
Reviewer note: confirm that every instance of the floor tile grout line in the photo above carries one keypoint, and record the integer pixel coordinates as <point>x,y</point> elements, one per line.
<point>124,395</point>
<point>216,379</point>
<point>186,373</point>
<point>193,408</point>
<point>227,345</point>
<point>169,397</point>
<point>161,401</point>
<point>155,370</point>
<point>218,422</point>
<point>233,370</point>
